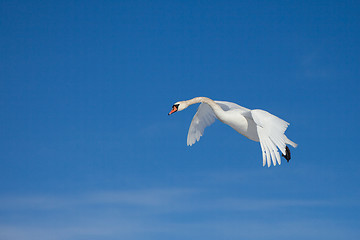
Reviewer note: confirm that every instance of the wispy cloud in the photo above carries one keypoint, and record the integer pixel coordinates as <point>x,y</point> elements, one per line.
<point>180,213</point>
<point>144,198</point>
<point>314,66</point>
<point>150,198</point>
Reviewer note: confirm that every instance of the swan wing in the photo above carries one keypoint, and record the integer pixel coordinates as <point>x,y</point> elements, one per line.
<point>226,106</point>
<point>269,149</point>
<point>203,118</point>
<point>271,135</point>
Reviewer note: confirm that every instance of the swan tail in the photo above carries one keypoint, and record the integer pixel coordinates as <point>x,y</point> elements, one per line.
<point>288,141</point>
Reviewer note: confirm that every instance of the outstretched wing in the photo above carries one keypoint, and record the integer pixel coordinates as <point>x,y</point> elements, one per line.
<point>204,117</point>
<point>226,106</point>
<point>271,135</point>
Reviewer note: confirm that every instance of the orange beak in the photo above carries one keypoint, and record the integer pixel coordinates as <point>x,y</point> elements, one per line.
<point>174,109</point>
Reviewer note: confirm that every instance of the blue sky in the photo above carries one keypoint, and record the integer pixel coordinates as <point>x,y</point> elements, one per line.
<point>89,152</point>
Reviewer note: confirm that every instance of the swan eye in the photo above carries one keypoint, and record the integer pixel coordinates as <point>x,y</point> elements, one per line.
<point>174,109</point>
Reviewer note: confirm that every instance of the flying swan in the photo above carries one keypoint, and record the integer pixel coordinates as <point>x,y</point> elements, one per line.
<point>257,125</point>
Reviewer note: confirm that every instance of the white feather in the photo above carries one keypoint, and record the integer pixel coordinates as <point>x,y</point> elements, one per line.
<point>204,117</point>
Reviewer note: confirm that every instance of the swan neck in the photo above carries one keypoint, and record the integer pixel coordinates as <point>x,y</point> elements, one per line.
<point>214,106</point>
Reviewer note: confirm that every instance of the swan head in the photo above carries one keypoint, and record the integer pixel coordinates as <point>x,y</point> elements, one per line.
<point>178,106</point>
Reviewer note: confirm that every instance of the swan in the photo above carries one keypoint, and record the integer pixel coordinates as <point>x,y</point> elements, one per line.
<point>257,125</point>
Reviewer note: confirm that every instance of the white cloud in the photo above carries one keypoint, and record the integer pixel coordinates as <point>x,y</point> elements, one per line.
<point>171,199</point>
<point>157,214</point>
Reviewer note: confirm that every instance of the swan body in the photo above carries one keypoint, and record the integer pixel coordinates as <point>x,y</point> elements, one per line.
<point>257,125</point>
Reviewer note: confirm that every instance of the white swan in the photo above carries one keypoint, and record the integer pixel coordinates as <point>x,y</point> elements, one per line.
<point>257,125</point>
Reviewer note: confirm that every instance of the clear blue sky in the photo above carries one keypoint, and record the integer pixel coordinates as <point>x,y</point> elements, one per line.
<point>89,152</point>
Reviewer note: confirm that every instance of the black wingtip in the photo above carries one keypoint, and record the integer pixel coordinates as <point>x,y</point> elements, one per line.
<point>287,155</point>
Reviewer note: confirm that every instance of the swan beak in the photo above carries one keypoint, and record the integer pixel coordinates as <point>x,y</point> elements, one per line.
<point>174,109</point>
